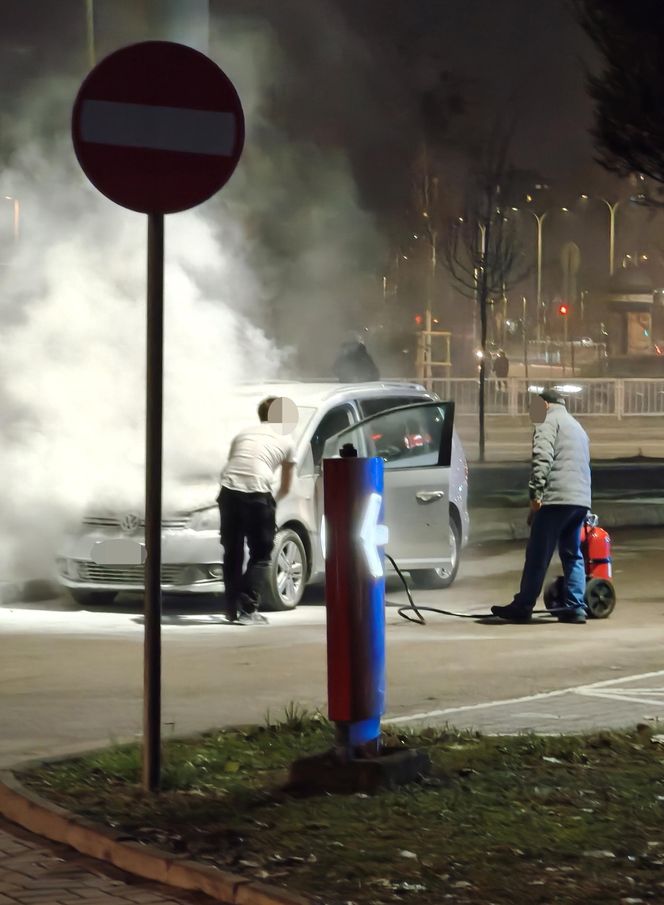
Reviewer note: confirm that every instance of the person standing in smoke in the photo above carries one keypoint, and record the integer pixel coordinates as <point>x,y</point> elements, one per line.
<point>247,507</point>
<point>501,368</point>
<point>354,364</point>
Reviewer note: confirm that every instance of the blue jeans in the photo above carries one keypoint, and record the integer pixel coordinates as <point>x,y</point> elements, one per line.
<point>554,526</point>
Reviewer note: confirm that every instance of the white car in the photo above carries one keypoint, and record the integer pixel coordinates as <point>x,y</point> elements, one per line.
<point>426,487</point>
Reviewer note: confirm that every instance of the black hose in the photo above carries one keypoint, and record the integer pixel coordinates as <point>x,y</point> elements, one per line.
<point>418,610</point>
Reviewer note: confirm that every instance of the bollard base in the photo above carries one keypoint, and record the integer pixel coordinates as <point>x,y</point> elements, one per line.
<point>327,772</point>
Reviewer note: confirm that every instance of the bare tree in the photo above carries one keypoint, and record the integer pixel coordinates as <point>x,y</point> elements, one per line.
<point>484,254</point>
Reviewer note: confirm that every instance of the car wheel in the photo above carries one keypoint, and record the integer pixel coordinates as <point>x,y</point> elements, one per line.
<point>93,598</point>
<point>288,572</point>
<point>600,598</point>
<point>430,579</point>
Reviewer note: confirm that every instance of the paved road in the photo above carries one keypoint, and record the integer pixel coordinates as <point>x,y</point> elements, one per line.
<point>71,678</point>
<point>509,439</point>
<point>34,871</point>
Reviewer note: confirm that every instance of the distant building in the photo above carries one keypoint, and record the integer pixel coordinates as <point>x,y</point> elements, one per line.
<point>635,313</point>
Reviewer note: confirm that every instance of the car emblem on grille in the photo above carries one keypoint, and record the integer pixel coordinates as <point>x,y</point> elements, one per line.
<point>129,522</point>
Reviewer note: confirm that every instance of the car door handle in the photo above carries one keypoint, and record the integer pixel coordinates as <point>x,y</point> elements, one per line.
<point>430,496</point>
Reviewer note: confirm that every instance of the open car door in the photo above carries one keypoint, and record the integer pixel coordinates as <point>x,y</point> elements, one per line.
<point>415,443</point>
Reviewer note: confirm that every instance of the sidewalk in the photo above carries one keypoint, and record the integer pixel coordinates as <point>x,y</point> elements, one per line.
<point>489,524</point>
<point>34,871</point>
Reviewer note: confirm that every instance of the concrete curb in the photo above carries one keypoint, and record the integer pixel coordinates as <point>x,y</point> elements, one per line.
<point>43,818</point>
<point>505,524</point>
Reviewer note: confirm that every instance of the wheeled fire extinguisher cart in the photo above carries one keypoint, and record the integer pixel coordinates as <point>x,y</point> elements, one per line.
<point>600,595</point>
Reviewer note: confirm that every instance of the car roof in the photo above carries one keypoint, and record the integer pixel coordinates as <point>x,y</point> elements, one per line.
<point>314,393</point>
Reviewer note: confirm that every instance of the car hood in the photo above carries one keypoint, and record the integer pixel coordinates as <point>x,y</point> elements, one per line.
<point>179,497</point>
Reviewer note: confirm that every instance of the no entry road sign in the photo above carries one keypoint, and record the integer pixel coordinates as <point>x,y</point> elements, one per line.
<point>158,127</point>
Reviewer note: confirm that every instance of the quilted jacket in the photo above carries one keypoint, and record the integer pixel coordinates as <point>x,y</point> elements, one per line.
<point>560,473</point>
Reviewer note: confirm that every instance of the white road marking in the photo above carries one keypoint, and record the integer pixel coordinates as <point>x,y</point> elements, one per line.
<point>634,696</point>
<point>575,689</point>
<point>158,128</point>
<point>485,705</point>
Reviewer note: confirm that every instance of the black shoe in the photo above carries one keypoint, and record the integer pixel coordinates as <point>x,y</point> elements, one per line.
<point>576,617</point>
<point>511,613</point>
<point>253,618</point>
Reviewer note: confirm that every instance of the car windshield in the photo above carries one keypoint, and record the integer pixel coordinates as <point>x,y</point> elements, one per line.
<point>306,413</point>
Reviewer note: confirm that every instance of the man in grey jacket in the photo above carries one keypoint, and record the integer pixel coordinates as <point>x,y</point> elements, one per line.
<point>560,497</point>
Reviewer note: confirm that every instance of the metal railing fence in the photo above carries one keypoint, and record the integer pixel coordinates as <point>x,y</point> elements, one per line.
<point>617,397</point>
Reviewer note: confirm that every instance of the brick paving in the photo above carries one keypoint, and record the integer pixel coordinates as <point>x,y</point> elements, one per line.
<point>34,871</point>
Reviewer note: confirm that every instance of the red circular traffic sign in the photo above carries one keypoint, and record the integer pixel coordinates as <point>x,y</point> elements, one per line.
<point>157,127</point>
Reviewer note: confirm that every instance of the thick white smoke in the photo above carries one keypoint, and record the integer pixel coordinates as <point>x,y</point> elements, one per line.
<point>72,309</point>
<point>72,354</point>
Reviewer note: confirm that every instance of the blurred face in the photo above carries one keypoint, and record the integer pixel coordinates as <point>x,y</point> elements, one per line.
<point>538,409</point>
<point>282,416</point>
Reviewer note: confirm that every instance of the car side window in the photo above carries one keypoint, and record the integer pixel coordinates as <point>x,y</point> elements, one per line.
<point>404,438</point>
<point>414,436</point>
<point>336,420</point>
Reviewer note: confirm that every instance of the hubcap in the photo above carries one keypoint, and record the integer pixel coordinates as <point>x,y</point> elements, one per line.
<point>290,572</point>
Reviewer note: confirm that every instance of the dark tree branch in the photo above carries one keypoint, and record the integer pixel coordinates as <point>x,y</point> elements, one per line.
<point>629,90</point>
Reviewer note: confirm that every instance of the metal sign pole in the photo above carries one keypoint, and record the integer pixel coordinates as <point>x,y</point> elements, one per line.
<point>127,124</point>
<point>153,465</point>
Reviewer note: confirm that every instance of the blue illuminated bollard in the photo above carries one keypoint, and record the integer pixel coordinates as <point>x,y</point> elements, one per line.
<point>354,541</point>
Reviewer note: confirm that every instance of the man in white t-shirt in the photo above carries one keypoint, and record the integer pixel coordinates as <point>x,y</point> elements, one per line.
<point>247,508</point>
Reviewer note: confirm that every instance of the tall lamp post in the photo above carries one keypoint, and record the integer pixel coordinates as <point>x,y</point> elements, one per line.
<point>16,214</point>
<point>539,219</point>
<point>90,32</point>
<point>612,207</point>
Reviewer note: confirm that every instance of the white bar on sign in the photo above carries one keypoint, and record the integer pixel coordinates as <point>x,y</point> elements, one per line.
<point>158,128</point>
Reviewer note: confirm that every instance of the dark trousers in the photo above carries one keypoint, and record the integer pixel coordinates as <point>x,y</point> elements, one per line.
<point>246,517</point>
<point>554,526</point>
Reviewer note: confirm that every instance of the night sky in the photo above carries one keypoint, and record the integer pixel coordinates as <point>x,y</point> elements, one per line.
<point>370,80</point>
<point>516,56</point>
<point>513,56</point>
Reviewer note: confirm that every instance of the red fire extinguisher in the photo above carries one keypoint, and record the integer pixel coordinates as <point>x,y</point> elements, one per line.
<point>596,549</point>
<point>600,594</point>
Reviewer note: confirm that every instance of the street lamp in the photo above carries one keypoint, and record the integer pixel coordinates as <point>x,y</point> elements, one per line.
<point>539,218</point>
<point>612,207</point>
<point>16,213</point>
<point>90,32</point>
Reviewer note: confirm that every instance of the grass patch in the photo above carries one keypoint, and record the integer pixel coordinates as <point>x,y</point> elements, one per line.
<point>514,820</point>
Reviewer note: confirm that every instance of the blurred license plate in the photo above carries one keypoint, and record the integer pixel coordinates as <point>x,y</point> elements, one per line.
<point>118,552</point>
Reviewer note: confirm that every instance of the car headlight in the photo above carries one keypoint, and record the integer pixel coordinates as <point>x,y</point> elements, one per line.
<point>68,568</point>
<point>205,519</point>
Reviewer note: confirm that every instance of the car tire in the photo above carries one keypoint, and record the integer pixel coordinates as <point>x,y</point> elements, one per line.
<point>288,572</point>
<point>93,598</point>
<point>432,579</point>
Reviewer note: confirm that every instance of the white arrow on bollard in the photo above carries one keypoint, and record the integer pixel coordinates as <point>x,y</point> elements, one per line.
<point>372,536</point>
